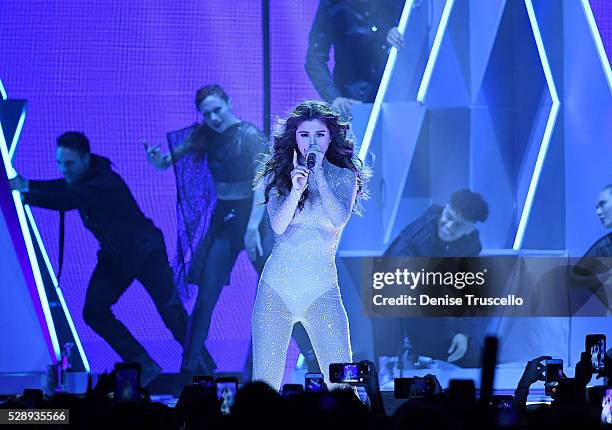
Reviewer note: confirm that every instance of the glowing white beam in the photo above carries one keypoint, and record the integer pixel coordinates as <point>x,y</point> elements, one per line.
<point>30,248</point>
<point>601,51</point>
<point>58,290</point>
<point>435,50</point>
<point>550,124</point>
<point>38,238</point>
<point>8,166</point>
<point>11,150</point>
<point>2,91</point>
<point>384,84</point>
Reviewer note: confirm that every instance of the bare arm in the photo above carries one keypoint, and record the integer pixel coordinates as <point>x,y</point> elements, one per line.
<point>252,238</point>
<point>259,151</point>
<point>257,209</point>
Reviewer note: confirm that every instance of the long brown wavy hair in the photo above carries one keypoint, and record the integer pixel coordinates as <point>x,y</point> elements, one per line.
<point>340,152</point>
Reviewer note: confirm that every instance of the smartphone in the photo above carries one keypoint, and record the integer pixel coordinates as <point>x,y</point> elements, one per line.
<point>204,381</point>
<point>291,390</point>
<point>554,372</point>
<point>127,382</point>
<point>348,373</point>
<point>226,389</point>
<point>606,407</point>
<point>313,382</point>
<point>413,388</point>
<point>596,347</point>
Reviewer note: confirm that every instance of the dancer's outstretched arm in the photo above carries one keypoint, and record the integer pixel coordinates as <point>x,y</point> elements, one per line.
<point>163,161</point>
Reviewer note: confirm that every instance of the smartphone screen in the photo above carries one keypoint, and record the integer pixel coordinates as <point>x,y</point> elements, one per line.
<point>127,382</point>
<point>347,372</point>
<point>314,382</point>
<point>596,347</point>
<point>226,391</point>
<point>554,372</point>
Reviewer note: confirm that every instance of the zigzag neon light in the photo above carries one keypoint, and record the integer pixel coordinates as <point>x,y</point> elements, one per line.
<point>384,84</point>
<point>29,245</point>
<point>25,211</point>
<point>435,50</point>
<point>588,12</point>
<point>550,124</point>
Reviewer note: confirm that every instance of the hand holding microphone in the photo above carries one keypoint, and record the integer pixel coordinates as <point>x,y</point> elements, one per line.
<point>314,156</point>
<point>299,177</point>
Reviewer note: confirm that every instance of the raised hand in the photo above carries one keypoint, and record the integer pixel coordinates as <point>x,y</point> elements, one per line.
<point>155,157</point>
<point>534,371</point>
<point>299,176</point>
<point>395,38</point>
<point>344,105</point>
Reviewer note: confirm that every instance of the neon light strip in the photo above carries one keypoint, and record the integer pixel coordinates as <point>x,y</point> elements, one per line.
<point>11,150</point>
<point>30,247</point>
<point>435,50</point>
<point>384,84</point>
<point>58,290</point>
<point>2,91</point>
<point>601,51</point>
<point>550,124</point>
<point>10,171</point>
<point>38,238</point>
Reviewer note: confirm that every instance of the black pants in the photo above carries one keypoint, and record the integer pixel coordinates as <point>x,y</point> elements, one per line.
<point>109,281</point>
<point>219,250</point>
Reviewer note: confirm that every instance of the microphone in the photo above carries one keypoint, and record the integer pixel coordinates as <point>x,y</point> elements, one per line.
<point>311,158</point>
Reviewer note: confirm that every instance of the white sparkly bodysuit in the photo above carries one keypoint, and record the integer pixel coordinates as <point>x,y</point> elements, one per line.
<point>299,282</point>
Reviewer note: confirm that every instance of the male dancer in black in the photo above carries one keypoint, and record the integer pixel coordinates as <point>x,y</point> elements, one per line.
<point>131,247</point>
